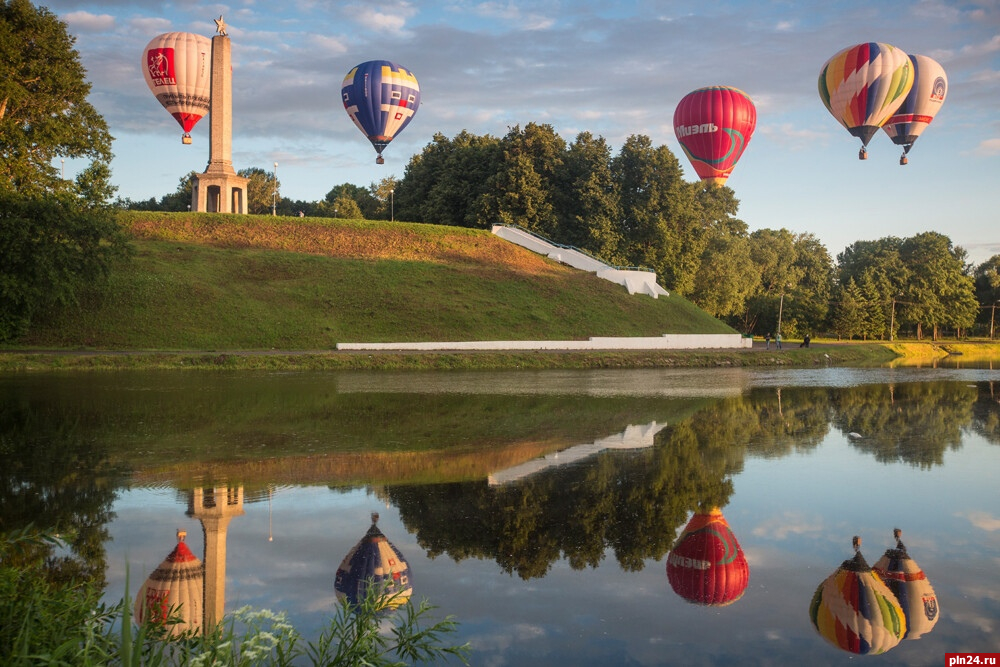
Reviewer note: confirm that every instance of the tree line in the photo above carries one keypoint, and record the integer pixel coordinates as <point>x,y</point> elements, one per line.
<point>633,208</point>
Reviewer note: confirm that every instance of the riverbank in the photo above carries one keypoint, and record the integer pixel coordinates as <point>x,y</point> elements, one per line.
<point>818,354</point>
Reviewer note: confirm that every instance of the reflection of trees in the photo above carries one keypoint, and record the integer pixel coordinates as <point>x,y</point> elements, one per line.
<point>632,503</point>
<point>911,422</point>
<point>766,422</point>
<point>53,474</point>
<point>986,413</point>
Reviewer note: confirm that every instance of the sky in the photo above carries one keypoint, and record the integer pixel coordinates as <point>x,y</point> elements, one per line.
<point>614,69</point>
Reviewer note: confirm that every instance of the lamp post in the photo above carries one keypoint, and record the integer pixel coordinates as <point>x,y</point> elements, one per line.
<point>392,205</point>
<point>892,320</point>
<point>781,306</point>
<point>993,316</point>
<point>274,193</point>
<point>63,160</point>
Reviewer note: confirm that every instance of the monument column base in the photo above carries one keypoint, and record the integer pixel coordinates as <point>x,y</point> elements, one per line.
<point>219,193</point>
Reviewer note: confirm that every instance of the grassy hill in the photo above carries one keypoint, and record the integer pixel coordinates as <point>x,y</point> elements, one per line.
<point>222,282</point>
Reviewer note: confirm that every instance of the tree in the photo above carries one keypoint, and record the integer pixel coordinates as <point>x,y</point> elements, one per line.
<point>54,235</point>
<point>987,277</point>
<point>939,291</point>
<point>262,189</point>
<point>44,112</point>
<point>727,276</point>
<point>586,199</point>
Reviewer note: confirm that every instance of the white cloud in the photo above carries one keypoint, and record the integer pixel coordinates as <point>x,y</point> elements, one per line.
<point>87,22</point>
<point>988,147</point>
<point>984,520</point>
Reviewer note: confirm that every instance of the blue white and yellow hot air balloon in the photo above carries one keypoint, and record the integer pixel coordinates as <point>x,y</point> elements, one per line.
<point>863,85</point>
<point>374,561</point>
<point>855,611</point>
<point>911,587</point>
<point>381,98</point>
<point>930,87</point>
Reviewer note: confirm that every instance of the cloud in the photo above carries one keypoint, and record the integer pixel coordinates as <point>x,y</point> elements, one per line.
<point>389,18</point>
<point>87,22</point>
<point>780,527</point>
<point>988,147</point>
<point>983,521</point>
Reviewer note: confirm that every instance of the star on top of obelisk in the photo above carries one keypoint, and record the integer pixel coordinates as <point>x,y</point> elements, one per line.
<point>220,26</point>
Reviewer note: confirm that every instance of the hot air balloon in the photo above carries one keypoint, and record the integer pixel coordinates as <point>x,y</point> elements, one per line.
<point>707,565</point>
<point>175,587</point>
<point>374,561</point>
<point>178,69</point>
<point>381,98</point>
<point>863,85</point>
<point>855,611</point>
<point>911,587</point>
<point>930,86</point>
<point>714,126</point>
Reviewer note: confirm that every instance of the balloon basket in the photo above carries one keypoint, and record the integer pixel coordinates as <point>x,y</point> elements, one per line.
<point>904,160</point>
<point>862,154</point>
<point>186,139</point>
<point>380,160</point>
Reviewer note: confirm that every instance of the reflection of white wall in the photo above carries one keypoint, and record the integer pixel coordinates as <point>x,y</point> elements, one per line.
<point>635,281</point>
<point>633,437</point>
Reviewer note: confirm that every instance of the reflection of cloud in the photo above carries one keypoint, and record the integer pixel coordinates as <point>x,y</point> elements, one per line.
<point>983,623</point>
<point>983,521</point>
<point>780,527</point>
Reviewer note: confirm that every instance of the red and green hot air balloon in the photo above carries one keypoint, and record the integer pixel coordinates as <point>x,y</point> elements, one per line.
<point>381,98</point>
<point>374,561</point>
<point>707,565</point>
<point>912,589</point>
<point>855,611</point>
<point>177,67</point>
<point>714,126</point>
<point>863,85</point>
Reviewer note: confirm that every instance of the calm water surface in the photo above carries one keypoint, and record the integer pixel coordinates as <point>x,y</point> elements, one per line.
<point>539,508</point>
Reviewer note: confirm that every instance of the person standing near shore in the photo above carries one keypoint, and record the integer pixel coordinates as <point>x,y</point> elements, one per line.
<point>767,341</point>
<point>777,341</point>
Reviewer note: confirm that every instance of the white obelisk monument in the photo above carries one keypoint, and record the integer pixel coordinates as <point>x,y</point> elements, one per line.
<point>220,189</point>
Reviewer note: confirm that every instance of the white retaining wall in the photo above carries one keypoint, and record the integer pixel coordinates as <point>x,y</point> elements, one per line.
<point>664,342</point>
<point>636,282</point>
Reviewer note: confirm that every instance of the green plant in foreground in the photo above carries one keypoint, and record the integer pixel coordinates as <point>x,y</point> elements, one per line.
<point>46,622</point>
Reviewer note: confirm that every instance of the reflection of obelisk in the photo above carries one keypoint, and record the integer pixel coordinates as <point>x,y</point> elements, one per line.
<point>214,507</point>
<point>220,189</point>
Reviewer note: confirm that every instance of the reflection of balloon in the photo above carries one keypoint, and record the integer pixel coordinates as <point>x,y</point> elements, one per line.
<point>707,565</point>
<point>374,561</point>
<point>855,611</point>
<point>176,586</point>
<point>381,98</point>
<point>713,126</point>
<point>863,85</point>
<point>178,69</point>
<point>930,85</point>
<point>911,587</point>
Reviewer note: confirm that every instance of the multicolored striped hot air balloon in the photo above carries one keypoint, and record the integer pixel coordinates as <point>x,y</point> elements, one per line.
<point>863,85</point>
<point>911,588</point>
<point>714,126</point>
<point>930,86</point>
<point>177,67</point>
<point>175,588</point>
<point>374,561</point>
<point>381,98</point>
<point>855,611</point>
<point>707,565</point>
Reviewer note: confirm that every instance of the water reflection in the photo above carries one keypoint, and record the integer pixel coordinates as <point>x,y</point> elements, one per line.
<point>707,565</point>
<point>374,561</point>
<point>543,521</point>
<point>911,587</point>
<point>855,611</point>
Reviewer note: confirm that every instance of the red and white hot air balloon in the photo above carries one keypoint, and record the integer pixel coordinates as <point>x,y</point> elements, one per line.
<point>707,565</point>
<point>174,592</point>
<point>178,70</point>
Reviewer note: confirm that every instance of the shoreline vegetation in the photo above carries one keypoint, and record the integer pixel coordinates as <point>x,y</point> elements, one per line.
<point>820,353</point>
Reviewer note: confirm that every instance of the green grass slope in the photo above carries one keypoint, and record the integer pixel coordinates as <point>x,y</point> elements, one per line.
<point>219,282</point>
